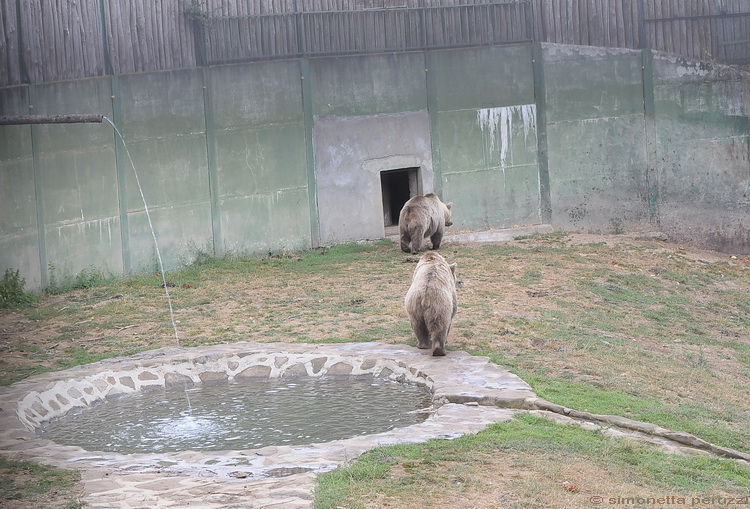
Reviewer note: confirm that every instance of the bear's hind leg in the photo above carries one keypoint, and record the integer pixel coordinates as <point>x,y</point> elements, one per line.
<point>405,241</point>
<point>438,343</point>
<point>417,239</point>
<point>405,235</point>
<point>423,335</point>
<point>436,239</point>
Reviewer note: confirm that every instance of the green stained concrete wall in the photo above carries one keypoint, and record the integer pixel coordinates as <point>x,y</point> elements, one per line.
<point>596,138</point>
<point>486,125</point>
<point>267,156</point>
<point>163,124</point>
<point>249,193</point>
<point>261,159</point>
<point>368,85</point>
<point>703,141</point>
<point>19,236</point>
<point>76,183</point>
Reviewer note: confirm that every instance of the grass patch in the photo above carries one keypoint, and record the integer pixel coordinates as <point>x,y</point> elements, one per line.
<point>720,424</point>
<point>85,279</point>
<point>27,484</point>
<point>519,455</point>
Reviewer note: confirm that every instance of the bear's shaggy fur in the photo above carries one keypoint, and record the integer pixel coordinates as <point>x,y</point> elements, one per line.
<point>431,301</point>
<point>422,217</point>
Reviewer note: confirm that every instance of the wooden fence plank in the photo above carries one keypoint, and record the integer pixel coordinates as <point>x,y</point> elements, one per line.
<point>691,42</point>
<point>50,67</point>
<point>9,65</point>
<point>555,13</point>
<point>119,38</point>
<point>63,39</point>
<point>601,22</point>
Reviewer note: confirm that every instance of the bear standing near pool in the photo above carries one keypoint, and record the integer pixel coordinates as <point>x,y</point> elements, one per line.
<point>422,217</point>
<point>431,303</point>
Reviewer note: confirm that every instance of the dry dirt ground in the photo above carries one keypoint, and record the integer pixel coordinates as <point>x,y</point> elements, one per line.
<point>233,308</point>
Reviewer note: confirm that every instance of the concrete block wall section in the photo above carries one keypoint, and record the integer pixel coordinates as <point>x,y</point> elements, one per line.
<point>597,142</point>
<point>270,156</point>
<point>369,116</point>
<point>162,121</point>
<point>19,240</point>
<point>485,118</point>
<point>703,149</point>
<point>61,209</point>
<point>261,174</point>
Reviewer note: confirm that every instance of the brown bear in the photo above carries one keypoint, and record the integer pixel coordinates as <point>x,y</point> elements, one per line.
<point>422,217</point>
<point>431,303</point>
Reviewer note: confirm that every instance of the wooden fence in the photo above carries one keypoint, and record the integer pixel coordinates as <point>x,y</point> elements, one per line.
<point>58,39</point>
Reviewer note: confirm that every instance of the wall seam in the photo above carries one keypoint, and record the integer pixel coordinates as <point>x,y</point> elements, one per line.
<point>39,193</point>
<point>432,114</point>
<point>120,163</point>
<point>312,186</point>
<point>212,162</point>
<point>649,114</point>
<point>540,98</point>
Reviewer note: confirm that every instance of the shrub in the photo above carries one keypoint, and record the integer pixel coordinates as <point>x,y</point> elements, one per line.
<point>12,293</point>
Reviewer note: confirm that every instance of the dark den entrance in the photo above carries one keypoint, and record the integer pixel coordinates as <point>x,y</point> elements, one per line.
<point>397,187</point>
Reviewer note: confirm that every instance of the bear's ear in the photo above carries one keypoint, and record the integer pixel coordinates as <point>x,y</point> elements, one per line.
<point>449,205</point>
<point>453,269</point>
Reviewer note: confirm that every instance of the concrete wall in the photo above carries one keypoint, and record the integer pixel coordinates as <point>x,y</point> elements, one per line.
<point>58,185</point>
<point>262,179</point>
<point>485,132</point>
<point>641,140</point>
<point>269,156</point>
<point>350,154</point>
<point>166,141</point>
<point>702,153</point>
<point>595,121</point>
<point>19,239</point>
<point>219,156</point>
<point>370,115</point>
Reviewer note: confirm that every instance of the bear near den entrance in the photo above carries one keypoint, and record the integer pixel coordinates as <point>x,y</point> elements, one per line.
<point>397,186</point>
<point>366,167</point>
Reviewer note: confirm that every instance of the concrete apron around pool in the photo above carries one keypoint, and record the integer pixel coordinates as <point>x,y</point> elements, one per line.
<point>469,393</point>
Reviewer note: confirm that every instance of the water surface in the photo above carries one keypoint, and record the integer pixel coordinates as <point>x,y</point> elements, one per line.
<point>245,415</point>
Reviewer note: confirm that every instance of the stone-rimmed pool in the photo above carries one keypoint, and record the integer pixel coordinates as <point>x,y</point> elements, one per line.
<point>467,393</point>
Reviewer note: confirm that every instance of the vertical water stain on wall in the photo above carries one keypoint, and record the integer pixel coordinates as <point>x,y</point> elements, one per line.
<point>497,128</point>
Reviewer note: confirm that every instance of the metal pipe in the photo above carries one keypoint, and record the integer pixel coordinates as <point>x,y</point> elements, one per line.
<point>50,119</point>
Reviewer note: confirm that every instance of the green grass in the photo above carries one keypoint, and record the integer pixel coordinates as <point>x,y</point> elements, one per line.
<point>709,420</point>
<point>534,441</point>
<point>35,483</point>
<point>85,279</point>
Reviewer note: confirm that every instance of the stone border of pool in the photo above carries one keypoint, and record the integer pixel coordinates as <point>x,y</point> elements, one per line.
<point>468,393</point>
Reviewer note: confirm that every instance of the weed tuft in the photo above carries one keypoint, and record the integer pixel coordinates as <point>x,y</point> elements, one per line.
<point>12,291</point>
<point>84,280</point>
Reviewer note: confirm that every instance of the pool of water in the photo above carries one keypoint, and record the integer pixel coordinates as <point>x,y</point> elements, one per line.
<point>247,415</point>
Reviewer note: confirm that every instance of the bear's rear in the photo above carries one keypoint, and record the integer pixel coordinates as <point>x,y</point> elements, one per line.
<point>431,302</point>
<point>422,217</point>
